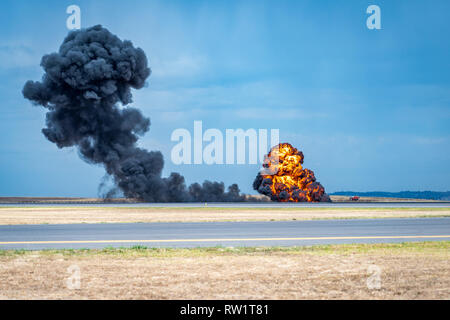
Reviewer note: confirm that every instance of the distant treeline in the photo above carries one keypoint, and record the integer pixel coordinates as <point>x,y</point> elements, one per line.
<point>432,195</point>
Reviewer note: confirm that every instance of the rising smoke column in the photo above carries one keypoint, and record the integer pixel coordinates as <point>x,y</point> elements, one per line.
<point>83,86</point>
<point>284,179</point>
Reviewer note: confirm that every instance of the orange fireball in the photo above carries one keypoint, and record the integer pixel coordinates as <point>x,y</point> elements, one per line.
<point>284,179</point>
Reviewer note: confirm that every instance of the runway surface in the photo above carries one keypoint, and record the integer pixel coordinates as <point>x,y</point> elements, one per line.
<point>242,205</point>
<point>273,233</point>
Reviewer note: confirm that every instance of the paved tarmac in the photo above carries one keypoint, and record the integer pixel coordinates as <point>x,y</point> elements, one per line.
<point>177,234</point>
<point>442,204</point>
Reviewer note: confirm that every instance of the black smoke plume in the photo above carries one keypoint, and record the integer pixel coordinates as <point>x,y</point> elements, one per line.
<point>84,86</point>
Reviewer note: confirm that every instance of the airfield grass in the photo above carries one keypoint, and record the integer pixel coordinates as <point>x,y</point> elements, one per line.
<point>67,215</point>
<point>414,270</point>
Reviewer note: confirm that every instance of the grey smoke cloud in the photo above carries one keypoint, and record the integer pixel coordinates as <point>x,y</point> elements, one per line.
<point>85,88</point>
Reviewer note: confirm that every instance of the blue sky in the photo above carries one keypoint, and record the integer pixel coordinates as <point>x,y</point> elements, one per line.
<point>370,109</point>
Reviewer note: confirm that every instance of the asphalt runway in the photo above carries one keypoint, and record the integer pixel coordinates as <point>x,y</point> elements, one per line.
<point>442,204</point>
<point>200,234</point>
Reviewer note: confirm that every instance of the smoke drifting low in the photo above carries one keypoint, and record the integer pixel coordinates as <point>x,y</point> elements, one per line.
<point>83,87</point>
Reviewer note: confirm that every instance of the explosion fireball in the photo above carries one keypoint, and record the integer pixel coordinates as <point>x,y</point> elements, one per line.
<point>283,178</point>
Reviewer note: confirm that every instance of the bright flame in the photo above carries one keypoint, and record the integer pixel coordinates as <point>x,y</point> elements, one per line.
<point>284,179</point>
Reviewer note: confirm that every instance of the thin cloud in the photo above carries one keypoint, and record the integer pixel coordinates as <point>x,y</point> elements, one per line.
<point>14,56</point>
<point>268,113</point>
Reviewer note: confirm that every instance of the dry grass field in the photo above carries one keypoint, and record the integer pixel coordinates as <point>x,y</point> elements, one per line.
<point>406,271</point>
<point>62,215</point>
<point>379,199</point>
